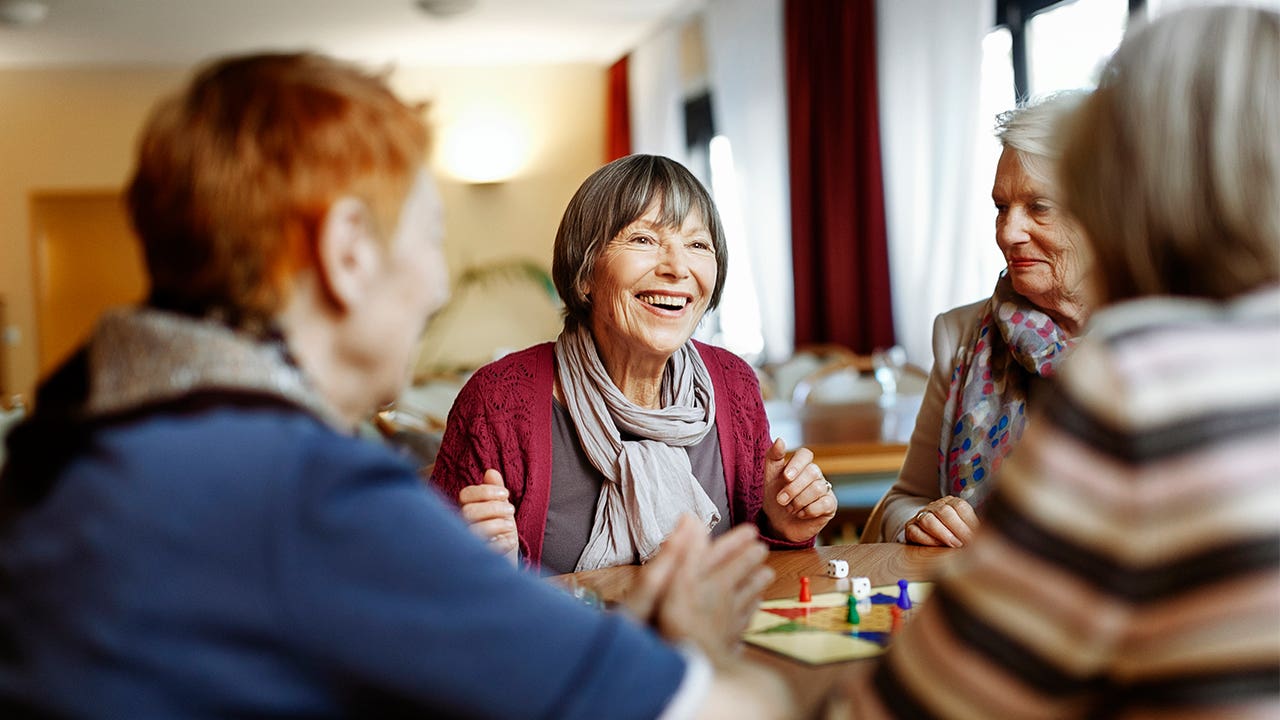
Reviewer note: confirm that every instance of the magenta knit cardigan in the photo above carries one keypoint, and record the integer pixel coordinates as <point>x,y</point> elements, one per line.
<point>502,419</point>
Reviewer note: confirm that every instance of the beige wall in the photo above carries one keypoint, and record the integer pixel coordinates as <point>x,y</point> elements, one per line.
<point>75,130</point>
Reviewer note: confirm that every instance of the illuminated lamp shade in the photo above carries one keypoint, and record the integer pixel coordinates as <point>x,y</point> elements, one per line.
<point>23,13</point>
<point>485,147</point>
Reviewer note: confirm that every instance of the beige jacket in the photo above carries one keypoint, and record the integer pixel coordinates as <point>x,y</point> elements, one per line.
<point>917,483</point>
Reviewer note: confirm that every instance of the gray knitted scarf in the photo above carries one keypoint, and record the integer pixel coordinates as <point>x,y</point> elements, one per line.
<point>648,481</point>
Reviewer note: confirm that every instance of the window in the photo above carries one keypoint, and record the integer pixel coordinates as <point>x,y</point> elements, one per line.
<point>1061,44</point>
<point>1037,47</point>
<point>738,316</point>
<point>995,97</point>
<point>734,325</point>
<point>1068,44</point>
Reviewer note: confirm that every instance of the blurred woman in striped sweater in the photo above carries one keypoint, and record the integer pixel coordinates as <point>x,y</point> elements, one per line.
<point>1129,565</point>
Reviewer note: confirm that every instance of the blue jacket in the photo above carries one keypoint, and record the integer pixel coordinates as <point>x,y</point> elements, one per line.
<point>244,559</point>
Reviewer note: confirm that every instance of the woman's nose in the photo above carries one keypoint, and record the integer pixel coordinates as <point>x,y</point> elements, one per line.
<point>1012,228</point>
<point>674,260</point>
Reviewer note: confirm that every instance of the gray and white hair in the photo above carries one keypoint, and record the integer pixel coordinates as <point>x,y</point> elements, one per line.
<point>1034,131</point>
<point>612,198</point>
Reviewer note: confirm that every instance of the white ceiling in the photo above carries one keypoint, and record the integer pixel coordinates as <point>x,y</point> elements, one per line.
<point>183,32</point>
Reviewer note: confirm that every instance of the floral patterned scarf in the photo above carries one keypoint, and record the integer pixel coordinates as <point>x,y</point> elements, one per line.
<point>1013,342</point>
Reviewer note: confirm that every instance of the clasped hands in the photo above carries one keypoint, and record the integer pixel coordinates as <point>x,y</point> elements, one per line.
<point>945,522</point>
<point>695,589</point>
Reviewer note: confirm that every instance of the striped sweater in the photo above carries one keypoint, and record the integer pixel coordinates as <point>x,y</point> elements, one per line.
<point>1129,564</point>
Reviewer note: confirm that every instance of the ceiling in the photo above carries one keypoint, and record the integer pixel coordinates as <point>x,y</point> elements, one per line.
<point>184,32</point>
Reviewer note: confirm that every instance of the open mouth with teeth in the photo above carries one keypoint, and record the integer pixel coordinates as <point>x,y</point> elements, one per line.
<point>663,302</point>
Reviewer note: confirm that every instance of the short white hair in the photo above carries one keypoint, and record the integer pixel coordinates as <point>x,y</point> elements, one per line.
<point>1034,131</point>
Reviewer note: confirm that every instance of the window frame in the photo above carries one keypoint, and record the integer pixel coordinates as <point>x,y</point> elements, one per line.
<point>1014,15</point>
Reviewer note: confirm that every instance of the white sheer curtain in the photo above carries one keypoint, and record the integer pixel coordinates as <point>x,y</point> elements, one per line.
<point>654,87</point>
<point>942,251</point>
<point>744,44</point>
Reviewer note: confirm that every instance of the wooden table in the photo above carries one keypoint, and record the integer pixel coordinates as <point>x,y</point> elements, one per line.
<point>883,563</point>
<point>849,438</point>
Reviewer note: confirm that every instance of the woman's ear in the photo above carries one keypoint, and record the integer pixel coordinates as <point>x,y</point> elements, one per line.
<point>347,252</point>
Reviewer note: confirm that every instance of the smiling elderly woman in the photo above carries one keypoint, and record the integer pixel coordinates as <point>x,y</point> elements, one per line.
<point>584,452</point>
<point>987,354</point>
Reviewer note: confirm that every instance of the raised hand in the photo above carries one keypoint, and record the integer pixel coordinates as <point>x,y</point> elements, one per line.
<point>946,522</point>
<point>487,509</point>
<point>797,498</point>
<point>702,591</point>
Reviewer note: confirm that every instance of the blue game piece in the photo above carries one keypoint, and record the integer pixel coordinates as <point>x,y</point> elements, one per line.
<point>904,598</point>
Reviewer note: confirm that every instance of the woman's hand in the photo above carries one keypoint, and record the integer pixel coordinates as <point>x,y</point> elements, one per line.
<point>702,591</point>
<point>797,499</point>
<point>489,512</point>
<point>946,522</point>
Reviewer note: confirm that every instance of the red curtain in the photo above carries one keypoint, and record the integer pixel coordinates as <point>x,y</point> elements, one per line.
<point>839,251</point>
<point>617,114</point>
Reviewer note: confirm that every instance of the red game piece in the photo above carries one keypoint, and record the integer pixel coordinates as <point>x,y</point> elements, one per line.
<point>897,618</point>
<point>805,595</point>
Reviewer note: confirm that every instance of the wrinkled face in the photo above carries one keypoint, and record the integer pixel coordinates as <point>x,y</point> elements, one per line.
<point>651,285</point>
<point>414,284</point>
<point>1040,241</point>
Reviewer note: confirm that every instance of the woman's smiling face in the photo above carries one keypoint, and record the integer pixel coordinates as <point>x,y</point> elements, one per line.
<point>651,285</point>
<point>1041,243</point>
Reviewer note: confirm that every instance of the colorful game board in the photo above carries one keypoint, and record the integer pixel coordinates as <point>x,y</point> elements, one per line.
<point>818,631</point>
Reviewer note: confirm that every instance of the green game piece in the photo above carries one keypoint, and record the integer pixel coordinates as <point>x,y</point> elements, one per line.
<point>854,618</point>
<point>790,627</point>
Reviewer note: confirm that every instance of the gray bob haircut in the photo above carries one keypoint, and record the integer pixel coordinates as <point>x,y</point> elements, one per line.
<point>1034,131</point>
<point>612,198</point>
<point>1173,165</point>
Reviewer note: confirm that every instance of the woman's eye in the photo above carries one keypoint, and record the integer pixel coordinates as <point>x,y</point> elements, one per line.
<point>642,239</point>
<point>1001,209</point>
<point>700,245</point>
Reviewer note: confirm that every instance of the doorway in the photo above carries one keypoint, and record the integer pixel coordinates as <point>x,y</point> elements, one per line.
<point>86,259</point>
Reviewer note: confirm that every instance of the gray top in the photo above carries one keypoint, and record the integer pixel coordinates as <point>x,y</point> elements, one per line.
<point>575,490</point>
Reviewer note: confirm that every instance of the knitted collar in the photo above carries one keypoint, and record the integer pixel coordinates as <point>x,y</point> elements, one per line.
<point>144,356</point>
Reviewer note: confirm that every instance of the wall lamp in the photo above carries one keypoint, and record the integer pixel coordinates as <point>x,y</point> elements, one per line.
<point>484,146</point>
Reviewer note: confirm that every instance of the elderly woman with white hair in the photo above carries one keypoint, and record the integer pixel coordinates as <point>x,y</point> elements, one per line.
<point>986,355</point>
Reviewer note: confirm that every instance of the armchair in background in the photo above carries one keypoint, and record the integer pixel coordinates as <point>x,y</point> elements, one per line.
<point>508,303</point>
<point>825,374</point>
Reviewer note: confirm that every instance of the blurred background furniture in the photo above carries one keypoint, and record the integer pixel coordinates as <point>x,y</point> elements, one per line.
<point>414,435</point>
<point>804,362</point>
<point>493,309</point>
<point>12,411</point>
<point>415,422</point>
<point>856,413</point>
<point>859,378</point>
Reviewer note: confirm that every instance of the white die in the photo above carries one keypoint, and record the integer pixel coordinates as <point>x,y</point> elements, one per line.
<point>837,568</point>
<point>862,588</point>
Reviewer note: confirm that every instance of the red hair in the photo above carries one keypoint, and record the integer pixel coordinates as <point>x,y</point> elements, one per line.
<point>235,176</point>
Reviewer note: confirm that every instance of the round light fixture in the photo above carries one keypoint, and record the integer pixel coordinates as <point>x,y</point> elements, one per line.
<point>22,13</point>
<point>444,8</point>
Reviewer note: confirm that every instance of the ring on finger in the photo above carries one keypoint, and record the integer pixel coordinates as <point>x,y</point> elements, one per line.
<point>921,514</point>
<point>828,484</point>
